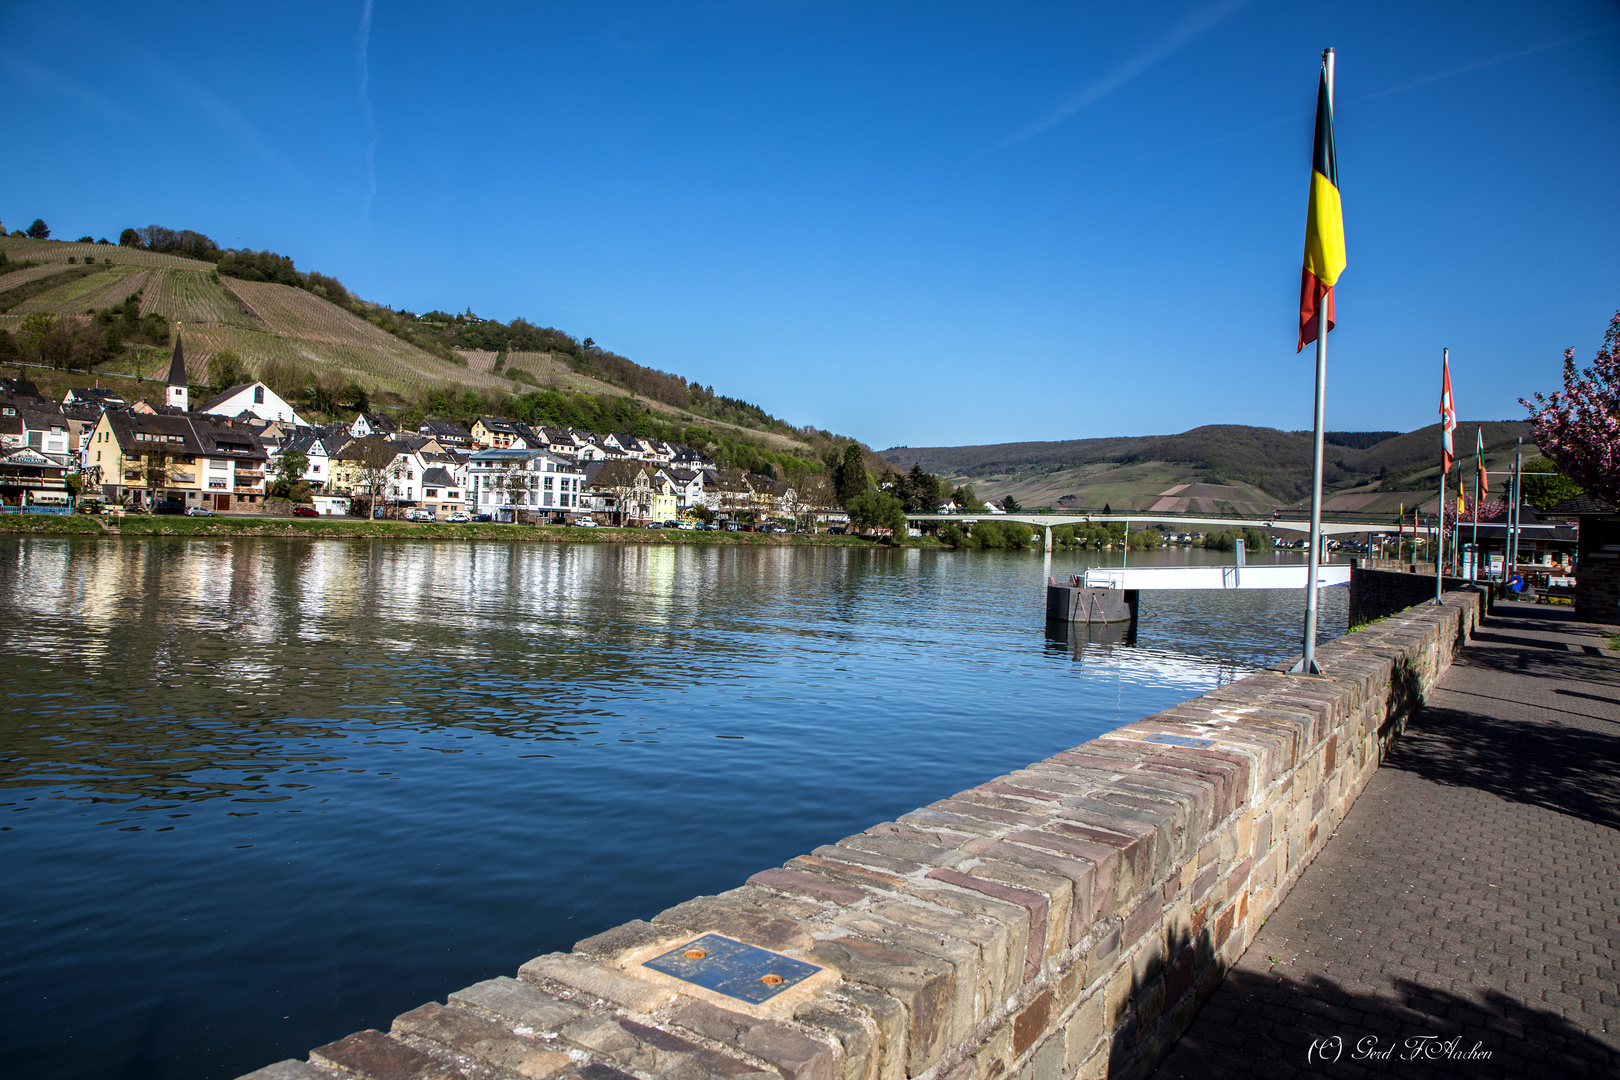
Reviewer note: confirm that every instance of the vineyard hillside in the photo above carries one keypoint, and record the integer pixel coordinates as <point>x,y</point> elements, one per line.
<point>275,328</point>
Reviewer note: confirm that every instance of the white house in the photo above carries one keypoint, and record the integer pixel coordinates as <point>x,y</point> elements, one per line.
<point>689,487</point>
<point>506,483</point>
<point>317,449</point>
<point>368,424</point>
<point>255,399</point>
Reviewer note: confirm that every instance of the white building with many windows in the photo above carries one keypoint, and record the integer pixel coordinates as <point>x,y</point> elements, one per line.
<point>508,483</point>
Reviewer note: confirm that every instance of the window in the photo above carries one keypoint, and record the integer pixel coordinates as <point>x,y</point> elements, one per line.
<point>430,493</point>
<point>258,395</point>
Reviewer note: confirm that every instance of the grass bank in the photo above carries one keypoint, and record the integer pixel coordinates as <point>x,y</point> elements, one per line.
<point>141,525</point>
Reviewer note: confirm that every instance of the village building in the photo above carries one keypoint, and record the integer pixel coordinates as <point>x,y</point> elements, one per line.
<point>630,492</point>
<point>510,484</point>
<point>178,393</point>
<point>199,460</point>
<point>445,433</point>
<point>253,399</point>
<point>368,424</point>
<point>499,433</point>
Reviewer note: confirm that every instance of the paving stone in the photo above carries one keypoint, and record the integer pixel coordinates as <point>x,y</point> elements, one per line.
<point>371,1055</point>
<point>796,1054</point>
<point>488,1042</point>
<point>517,1002</point>
<point>597,980</point>
<point>1471,890</point>
<point>287,1070</point>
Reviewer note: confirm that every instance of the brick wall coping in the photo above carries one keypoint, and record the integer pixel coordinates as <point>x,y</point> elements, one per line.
<point>1064,920</point>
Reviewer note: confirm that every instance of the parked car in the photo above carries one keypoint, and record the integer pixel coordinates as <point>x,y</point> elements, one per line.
<point>305,510</point>
<point>748,528</point>
<point>199,511</point>
<point>169,506</point>
<point>686,526</point>
<point>836,530</point>
<point>460,517</point>
<point>90,507</point>
<point>710,526</point>
<point>583,523</point>
<point>419,513</point>
<point>655,524</point>
<point>483,517</point>
<point>732,526</point>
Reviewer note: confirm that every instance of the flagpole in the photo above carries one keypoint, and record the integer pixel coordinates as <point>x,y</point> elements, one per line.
<point>1307,664</point>
<point>1481,459</point>
<point>1440,544</point>
<point>1518,463</point>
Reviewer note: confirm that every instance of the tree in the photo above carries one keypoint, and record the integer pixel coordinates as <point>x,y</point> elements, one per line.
<point>290,469</point>
<point>1010,505</point>
<point>357,398</point>
<point>39,230</point>
<point>815,493</point>
<point>922,490</point>
<point>850,479</point>
<point>1578,428</point>
<point>372,458</point>
<point>877,510</point>
<point>129,238</point>
<point>1544,486</point>
<point>155,471</point>
<point>224,369</point>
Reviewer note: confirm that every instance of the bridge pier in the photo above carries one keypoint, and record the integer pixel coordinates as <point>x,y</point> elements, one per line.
<point>1049,540</point>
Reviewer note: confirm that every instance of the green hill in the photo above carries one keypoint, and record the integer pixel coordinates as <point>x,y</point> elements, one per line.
<point>313,341</point>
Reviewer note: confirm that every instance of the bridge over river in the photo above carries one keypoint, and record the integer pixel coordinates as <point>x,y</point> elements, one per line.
<point>1236,576</point>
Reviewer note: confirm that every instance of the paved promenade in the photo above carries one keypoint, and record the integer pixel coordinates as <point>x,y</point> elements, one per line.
<point>1472,893</point>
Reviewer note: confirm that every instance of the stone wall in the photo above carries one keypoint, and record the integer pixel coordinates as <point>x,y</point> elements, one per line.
<point>1375,594</point>
<point>1065,920</point>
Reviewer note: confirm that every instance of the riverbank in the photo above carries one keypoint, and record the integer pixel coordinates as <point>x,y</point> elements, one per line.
<point>355,528</point>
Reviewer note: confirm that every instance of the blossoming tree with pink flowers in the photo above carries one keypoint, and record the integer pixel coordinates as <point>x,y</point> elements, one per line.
<point>1578,427</point>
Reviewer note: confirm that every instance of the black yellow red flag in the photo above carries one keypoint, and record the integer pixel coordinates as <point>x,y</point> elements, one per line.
<point>1324,226</point>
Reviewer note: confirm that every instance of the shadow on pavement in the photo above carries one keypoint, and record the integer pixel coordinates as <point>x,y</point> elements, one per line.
<point>1278,1024</point>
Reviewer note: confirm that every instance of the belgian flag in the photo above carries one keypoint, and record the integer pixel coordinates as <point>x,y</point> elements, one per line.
<point>1324,225</point>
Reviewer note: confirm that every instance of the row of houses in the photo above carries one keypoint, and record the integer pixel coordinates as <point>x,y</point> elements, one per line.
<point>224,455</point>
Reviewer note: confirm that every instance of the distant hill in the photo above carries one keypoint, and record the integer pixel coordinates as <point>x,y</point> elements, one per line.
<point>1212,469</point>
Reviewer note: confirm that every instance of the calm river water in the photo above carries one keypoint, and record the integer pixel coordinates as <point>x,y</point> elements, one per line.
<point>256,794</point>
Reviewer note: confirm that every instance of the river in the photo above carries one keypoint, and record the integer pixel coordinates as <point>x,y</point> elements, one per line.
<point>257,794</point>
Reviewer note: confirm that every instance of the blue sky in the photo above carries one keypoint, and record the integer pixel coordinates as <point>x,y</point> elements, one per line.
<point>914,223</point>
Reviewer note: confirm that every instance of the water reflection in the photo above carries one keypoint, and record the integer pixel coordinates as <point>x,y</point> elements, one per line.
<point>305,759</point>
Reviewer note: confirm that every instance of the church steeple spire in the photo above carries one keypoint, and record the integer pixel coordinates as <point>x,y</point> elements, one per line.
<point>178,394</point>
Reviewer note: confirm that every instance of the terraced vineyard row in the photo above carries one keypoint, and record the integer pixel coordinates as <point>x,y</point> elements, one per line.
<point>75,297</point>
<point>17,247</point>
<point>27,274</point>
<point>191,296</point>
<point>118,290</point>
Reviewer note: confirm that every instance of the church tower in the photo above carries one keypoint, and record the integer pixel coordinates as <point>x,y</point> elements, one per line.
<point>178,395</point>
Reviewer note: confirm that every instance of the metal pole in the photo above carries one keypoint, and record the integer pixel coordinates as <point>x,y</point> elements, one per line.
<point>1307,664</point>
<point>1475,572</point>
<point>1518,463</point>
<point>1440,544</point>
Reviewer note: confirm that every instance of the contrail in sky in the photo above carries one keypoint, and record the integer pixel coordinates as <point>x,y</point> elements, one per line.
<point>1190,28</point>
<point>43,78</point>
<point>1489,61</point>
<point>365,107</point>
